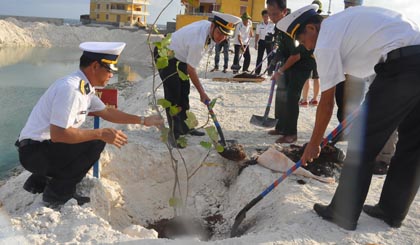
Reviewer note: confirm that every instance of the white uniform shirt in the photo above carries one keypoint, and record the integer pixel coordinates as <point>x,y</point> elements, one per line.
<point>356,39</point>
<point>189,42</point>
<point>262,29</point>
<point>62,105</point>
<point>244,31</point>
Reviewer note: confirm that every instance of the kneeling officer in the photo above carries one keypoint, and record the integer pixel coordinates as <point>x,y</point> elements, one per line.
<point>51,145</point>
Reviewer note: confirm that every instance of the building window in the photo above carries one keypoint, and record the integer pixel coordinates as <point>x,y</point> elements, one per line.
<point>216,7</point>
<point>129,18</point>
<point>107,16</point>
<point>97,16</point>
<point>242,9</point>
<point>107,6</point>
<point>98,6</point>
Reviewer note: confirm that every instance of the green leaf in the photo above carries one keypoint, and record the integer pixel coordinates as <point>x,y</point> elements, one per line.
<point>163,52</point>
<point>158,45</point>
<point>219,148</point>
<point>164,103</point>
<point>205,144</point>
<point>181,74</point>
<point>182,141</point>
<point>212,103</point>
<point>166,40</point>
<point>191,120</point>
<point>162,62</point>
<point>175,202</point>
<point>155,29</point>
<point>212,133</point>
<point>173,110</point>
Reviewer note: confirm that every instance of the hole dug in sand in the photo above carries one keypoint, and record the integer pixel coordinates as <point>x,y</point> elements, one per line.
<point>183,226</point>
<point>138,181</point>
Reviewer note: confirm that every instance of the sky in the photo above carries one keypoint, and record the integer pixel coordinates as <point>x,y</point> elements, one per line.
<point>72,9</point>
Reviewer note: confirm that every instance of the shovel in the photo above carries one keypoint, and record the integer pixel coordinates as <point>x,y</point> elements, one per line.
<point>232,150</point>
<point>242,214</point>
<point>251,74</point>
<point>265,121</point>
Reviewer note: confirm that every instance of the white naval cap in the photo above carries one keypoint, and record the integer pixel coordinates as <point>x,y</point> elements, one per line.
<point>106,53</point>
<point>225,22</point>
<point>291,23</point>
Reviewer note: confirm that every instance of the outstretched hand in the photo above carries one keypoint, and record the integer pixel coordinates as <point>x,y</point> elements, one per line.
<point>114,137</point>
<point>154,120</point>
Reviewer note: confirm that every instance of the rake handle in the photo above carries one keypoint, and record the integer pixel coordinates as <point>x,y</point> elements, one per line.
<point>262,61</point>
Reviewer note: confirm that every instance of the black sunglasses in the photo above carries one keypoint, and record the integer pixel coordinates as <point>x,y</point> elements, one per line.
<point>107,68</point>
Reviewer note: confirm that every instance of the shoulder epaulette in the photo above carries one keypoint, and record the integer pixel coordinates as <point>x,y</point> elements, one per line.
<point>84,87</point>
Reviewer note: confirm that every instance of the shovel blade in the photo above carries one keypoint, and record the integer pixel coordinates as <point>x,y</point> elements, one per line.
<point>263,122</point>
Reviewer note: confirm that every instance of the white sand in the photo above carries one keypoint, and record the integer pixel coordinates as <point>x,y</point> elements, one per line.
<point>136,182</point>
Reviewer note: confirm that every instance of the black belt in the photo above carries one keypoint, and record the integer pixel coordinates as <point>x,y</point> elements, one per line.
<point>403,52</point>
<point>26,142</point>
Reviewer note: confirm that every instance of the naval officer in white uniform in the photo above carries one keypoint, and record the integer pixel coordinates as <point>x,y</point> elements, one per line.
<point>51,145</point>
<point>189,45</point>
<point>363,41</point>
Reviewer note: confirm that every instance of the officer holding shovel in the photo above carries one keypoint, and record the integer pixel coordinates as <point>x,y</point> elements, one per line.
<point>243,34</point>
<point>297,64</point>
<point>189,44</point>
<point>362,41</point>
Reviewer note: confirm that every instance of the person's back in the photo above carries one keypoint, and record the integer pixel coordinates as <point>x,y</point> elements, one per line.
<point>188,43</point>
<point>382,32</point>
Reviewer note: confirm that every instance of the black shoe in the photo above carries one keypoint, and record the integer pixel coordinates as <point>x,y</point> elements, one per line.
<point>54,203</point>
<point>224,70</point>
<point>377,212</point>
<point>235,67</point>
<point>235,71</point>
<point>327,213</point>
<point>245,71</point>
<point>214,69</point>
<point>55,200</point>
<point>35,184</point>
<point>195,132</point>
<point>380,168</point>
<point>81,199</point>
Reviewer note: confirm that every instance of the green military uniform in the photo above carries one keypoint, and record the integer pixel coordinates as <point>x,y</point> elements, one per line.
<point>289,89</point>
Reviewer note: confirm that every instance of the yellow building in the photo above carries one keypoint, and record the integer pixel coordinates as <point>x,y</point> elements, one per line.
<point>201,9</point>
<point>119,12</point>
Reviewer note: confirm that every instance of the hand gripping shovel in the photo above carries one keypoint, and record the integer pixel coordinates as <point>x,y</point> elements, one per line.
<point>265,121</point>
<point>242,214</point>
<point>232,150</point>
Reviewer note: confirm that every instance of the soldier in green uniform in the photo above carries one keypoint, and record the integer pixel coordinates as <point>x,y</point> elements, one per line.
<point>296,66</point>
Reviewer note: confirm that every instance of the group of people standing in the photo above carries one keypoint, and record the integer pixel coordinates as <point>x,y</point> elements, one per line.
<point>360,41</point>
<point>241,38</point>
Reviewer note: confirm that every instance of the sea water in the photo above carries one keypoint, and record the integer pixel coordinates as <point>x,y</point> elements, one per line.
<point>25,74</point>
